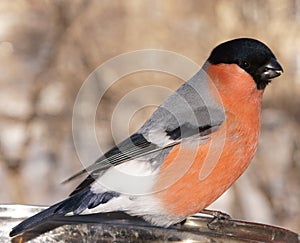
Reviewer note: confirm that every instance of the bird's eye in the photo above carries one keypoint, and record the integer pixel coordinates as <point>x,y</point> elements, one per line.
<point>245,64</point>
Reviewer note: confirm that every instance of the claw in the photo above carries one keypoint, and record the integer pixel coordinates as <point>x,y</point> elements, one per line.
<point>218,220</point>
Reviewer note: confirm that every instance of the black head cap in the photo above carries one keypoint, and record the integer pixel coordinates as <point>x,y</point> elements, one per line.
<point>251,55</point>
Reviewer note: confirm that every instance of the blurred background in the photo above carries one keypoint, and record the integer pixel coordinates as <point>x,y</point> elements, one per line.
<point>48,49</point>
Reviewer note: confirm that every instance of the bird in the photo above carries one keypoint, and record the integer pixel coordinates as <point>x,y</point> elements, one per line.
<point>193,147</point>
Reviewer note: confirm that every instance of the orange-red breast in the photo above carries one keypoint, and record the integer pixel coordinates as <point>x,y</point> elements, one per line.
<point>193,147</point>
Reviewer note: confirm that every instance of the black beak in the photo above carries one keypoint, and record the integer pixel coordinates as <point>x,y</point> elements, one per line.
<point>270,70</point>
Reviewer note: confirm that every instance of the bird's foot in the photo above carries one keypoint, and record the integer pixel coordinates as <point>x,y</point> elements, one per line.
<point>218,220</point>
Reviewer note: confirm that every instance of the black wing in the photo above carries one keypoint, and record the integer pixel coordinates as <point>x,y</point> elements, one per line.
<point>133,147</point>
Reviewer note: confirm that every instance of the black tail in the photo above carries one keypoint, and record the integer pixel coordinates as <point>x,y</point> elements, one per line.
<point>76,204</point>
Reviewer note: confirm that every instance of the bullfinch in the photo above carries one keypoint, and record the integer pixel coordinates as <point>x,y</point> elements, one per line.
<point>189,152</point>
